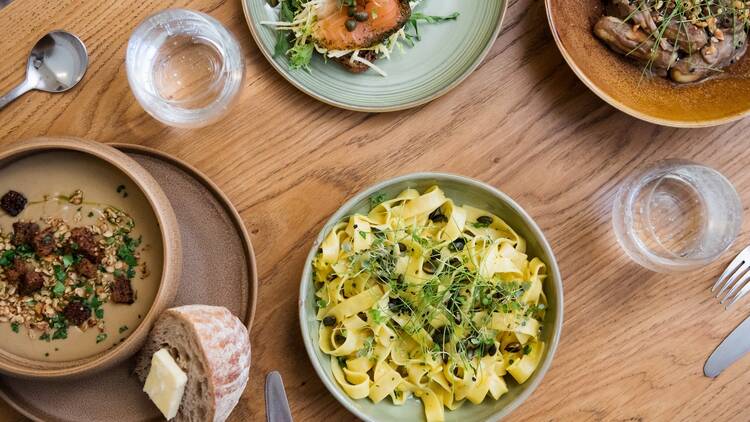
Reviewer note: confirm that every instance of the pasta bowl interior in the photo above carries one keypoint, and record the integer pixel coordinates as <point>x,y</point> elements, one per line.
<point>440,316</point>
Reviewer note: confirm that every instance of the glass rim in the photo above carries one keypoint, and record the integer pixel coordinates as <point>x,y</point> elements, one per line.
<point>634,247</point>
<point>227,83</point>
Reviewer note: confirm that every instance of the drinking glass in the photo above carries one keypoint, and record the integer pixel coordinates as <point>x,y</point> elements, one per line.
<point>676,215</point>
<point>184,67</point>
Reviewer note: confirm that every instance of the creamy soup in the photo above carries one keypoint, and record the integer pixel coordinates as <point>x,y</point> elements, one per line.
<point>48,180</point>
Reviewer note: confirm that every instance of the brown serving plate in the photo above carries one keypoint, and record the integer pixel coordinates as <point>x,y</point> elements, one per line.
<point>208,223</point>
<point>620,82</point>
<point>89,164</point>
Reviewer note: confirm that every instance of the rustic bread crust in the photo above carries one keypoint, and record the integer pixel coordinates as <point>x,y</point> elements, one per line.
<point>213,347</point>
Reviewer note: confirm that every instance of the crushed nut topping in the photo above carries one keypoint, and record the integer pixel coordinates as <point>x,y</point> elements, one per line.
<point>53,275</point>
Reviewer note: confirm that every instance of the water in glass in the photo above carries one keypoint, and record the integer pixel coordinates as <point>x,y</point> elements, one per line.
<point>184,67</point>
<point>676,215</point>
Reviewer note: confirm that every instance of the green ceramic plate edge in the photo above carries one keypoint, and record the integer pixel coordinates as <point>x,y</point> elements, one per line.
<point>390,104</point>
<point>465,191</point>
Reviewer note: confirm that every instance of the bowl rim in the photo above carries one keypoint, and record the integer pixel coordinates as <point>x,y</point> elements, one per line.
<point>171,261</point>
<point>249,19</point>
<point>622,107</point>
<point>229,207</point>
<point>344,210</point>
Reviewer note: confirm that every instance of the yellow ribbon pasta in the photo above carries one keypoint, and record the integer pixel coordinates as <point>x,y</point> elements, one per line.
<point>425,298</point>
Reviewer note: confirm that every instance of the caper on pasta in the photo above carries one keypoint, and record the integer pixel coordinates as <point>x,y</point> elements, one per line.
<point>425,298</point>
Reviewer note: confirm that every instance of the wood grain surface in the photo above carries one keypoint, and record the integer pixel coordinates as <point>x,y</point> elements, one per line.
<point>633,342</point>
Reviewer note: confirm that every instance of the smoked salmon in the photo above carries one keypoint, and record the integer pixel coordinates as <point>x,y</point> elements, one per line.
<point>354,33</point>
<point>358,24</point>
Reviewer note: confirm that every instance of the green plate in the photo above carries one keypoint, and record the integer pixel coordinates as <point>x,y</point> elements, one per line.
<point>446,55</point>
<point>464,191</point>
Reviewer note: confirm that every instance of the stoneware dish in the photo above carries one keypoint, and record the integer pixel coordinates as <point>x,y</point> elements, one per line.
<point>620,82</point>
<point>48,166</point>
<point>205,217</point>
<point>446,55</point>
<point>464,191</point>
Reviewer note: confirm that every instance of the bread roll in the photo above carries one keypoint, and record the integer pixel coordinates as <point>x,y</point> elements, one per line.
<point>212,346</point>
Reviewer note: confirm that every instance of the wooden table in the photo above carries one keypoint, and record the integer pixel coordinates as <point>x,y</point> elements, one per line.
<point>633,343</point>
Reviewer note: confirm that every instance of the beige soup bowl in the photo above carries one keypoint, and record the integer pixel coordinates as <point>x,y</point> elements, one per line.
<point>161,210</point>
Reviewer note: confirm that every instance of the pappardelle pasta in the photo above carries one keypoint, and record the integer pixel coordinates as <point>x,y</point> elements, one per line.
<point>423,297</point>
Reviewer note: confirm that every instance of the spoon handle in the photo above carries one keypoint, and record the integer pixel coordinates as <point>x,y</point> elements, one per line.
<point>16,92</point>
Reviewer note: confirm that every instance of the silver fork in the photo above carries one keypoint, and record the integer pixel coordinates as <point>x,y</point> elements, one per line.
<point>735,279</point>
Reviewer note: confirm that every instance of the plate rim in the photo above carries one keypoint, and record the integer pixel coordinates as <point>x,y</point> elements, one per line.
<point>373,109</point>
<point>227,205</point>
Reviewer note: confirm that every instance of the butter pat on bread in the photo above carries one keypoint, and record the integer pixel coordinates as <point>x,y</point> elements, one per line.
<point>165,383</point>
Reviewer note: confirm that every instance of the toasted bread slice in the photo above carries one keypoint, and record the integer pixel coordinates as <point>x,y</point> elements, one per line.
<point>358,67</point>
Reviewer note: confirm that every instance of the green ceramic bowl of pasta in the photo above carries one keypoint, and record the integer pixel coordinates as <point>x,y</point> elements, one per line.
<point>446,54</point>
<point>463,191</point>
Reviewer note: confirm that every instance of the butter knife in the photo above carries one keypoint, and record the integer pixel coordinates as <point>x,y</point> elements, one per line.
<point>277,406</point>
<point>736,345</point>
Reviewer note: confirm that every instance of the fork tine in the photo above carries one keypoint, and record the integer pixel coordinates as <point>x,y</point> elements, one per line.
<point>732,281</point>
<point>743,292</point>
<point>741,284</point>
<point>738,261</point>
<point>742,277</point>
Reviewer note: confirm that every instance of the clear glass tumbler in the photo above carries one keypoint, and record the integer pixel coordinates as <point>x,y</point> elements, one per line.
<point>184,67</point>
<point>676,215</point>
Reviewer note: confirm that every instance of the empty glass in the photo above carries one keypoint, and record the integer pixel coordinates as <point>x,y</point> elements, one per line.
<point>676,215</point>
<point>184,67</point>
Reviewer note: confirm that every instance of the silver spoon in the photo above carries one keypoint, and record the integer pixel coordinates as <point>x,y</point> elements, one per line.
<point>56,63</point>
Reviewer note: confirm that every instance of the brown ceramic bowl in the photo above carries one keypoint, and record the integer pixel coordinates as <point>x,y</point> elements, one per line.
<point>619,81</point>
<point>50,165</point>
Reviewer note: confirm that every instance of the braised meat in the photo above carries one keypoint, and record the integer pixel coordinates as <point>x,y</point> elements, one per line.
<point>686,44</point>
<point>635,44</point>
<point>688,38</point>
<point>716,55</point>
